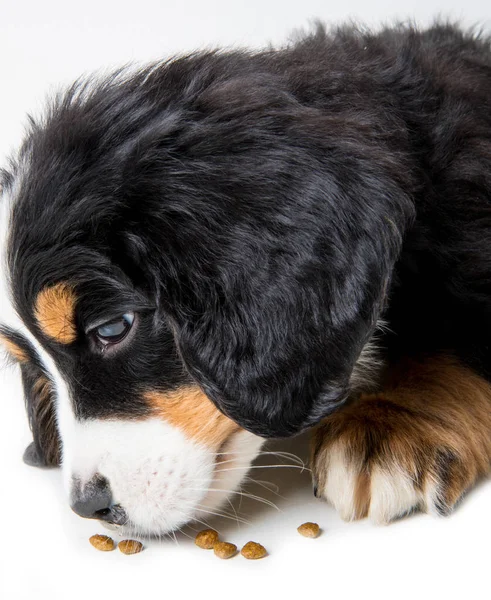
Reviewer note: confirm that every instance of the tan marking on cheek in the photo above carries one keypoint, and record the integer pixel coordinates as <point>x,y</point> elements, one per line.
<point>55,313</point>
<point>191,411</point>
<point>13,349</point>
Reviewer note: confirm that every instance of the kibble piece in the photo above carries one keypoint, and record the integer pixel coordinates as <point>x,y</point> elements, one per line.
<point>225,549</point>
<point>206,539</point>
<point>310,530</point>
<point>102,542</point>
<point>253,550</point>
<point>130,546</point>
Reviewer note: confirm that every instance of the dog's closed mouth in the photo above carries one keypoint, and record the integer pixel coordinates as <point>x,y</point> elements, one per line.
<point>115,515</point>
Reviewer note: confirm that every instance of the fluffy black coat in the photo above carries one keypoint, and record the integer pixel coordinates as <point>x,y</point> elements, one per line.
<point>261,212</point>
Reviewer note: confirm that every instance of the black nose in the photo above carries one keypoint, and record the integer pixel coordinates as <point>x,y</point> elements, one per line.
<point>92,500</point>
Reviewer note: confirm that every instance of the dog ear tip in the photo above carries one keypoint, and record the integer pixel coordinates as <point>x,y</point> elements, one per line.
<point>31,456</point>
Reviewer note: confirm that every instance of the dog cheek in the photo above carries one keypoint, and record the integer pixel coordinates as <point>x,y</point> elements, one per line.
<point>193,413</point>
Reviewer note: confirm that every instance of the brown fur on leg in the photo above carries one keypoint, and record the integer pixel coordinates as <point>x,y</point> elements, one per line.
<point>420,443</point>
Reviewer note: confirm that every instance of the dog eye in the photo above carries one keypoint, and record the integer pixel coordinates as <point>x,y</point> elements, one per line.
<point>116,330</point>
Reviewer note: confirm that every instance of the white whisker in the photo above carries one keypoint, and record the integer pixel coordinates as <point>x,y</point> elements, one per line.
<point>268,485</point>
<point>222,515</point>
<point>245,494</point>
<point>246,468</point>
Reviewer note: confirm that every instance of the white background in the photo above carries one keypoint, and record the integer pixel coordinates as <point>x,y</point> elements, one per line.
<point>44,551</point>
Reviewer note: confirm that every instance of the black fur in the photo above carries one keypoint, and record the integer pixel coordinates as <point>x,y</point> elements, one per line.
<point>260,212</point>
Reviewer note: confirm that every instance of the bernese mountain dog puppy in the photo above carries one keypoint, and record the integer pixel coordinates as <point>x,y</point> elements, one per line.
<point>232,246</point>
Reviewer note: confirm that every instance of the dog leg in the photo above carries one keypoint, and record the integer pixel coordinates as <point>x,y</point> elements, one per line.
<point>421,443</point>
<point>44,451</point>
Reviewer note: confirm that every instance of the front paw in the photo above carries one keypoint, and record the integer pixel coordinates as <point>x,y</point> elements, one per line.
<point>34,458</point>
<point>379,459</point>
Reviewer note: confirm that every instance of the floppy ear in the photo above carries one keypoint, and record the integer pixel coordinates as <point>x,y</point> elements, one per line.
<point>276,304</point>
<point>272,228</point>
<point>44,451</point>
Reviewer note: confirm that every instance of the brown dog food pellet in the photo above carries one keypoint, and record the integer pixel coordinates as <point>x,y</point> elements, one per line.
<point>206,539</point>
<point>253,550</point>
<point>102,542</point>
<point>310,530</point>
<point>130,546</point>
<point>225,549</point>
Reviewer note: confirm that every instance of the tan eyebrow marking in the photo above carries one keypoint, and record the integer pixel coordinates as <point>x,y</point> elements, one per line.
<point>191,411</point>
<point>55,312</point>
<point>13,349</point>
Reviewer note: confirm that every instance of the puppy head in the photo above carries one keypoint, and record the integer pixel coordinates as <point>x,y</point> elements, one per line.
<point>195,259</point>
<point>139,442</point>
